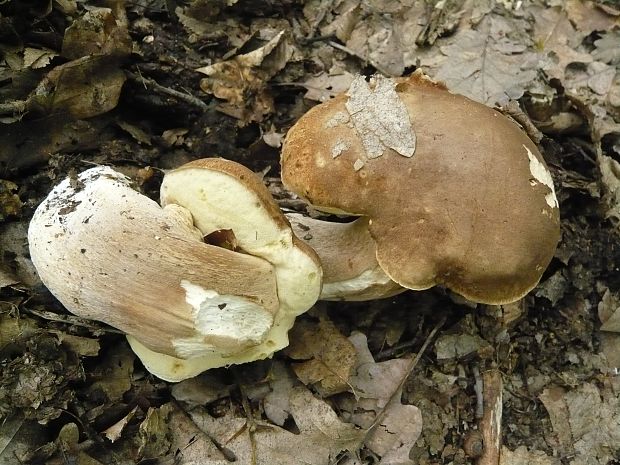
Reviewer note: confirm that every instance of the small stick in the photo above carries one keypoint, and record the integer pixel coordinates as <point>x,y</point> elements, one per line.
<point>514,110</point>
<point>479,390</point>
<point>491,423</point>
<point>187,98</point>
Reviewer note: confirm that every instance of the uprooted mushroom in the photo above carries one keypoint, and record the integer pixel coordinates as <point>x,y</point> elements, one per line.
<point>111,254</point>
<point>453,193</point>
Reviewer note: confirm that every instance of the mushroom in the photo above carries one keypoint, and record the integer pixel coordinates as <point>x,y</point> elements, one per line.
<point>454,193</point>
<point>348,257</point>
<point>111,254</point>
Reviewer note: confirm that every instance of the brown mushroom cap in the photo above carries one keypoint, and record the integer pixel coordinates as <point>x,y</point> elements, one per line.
<point>456,193</point>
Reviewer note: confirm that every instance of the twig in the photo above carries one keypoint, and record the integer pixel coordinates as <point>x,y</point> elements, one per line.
<point>479,390</point>
<point>187,98</point>
<point>16,106</point>
<point>491,423</point>
<point>513,110</point>
<point>71,320</point>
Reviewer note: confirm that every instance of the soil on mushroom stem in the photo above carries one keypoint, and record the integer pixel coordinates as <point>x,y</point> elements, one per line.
<point>58,369</point>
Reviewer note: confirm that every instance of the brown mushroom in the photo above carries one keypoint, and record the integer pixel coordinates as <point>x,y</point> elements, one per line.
<point>111,254</point>
<point>454,192</point>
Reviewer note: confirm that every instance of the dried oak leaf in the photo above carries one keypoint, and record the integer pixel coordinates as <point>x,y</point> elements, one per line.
<point>376,394</point>
<point>36,58</point>
<point>242,80</point>
<point>609,312</point>
<point>522,456</point>
<point>98,32</point>
<point>586,421</point>
<point>485,64</point>
<point>82,88</point>
<point>555,36</point>
<point>328,356</point>
<point>10,203</point>
<point>322,435</point>
<point>588,17</point>
<point>607,49</point>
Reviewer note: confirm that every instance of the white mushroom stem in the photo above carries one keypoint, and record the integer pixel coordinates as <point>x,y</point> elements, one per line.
<point>348,257</point>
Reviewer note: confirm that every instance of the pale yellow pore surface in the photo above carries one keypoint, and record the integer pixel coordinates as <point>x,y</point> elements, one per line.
<point>224,195</point>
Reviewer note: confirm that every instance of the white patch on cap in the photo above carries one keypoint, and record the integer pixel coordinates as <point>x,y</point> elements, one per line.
<point>543,176</point>
<point>226,316</point>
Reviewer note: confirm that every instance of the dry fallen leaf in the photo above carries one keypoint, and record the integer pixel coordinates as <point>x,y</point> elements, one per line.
<point>36,58</point>
<point>242,80</point>
<point>523,456</point>
<point>586,422</point>
<point>10,203</point>
<point>97,32</point>
<point>376,393</point>
<point>321,438</point>
<point>153,434</point>
<point>607,49</point>
<point>113,433</point>
<point>329,356</point>
<point>555,36</point>
<point>485,64</point>
<point>324,86</point>
<point>114,374</point>
<point>82,88</point>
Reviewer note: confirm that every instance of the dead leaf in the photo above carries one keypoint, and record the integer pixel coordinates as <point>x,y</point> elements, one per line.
<point>273,138</point>
<point>10,203</point>
<point>174,137</point>
<point>113,433</point>
<point>200,390</point>
<point>458,346</point>
<point>134,131</point>
<point>7,279</point>
<point>555,36</point>
<point>587,17</point>
<point>36,58</point>
<point>375,391</point>
<point>115,373</point>
<point>609,312</point>
<point>607,49</point>
<point>84,346</point>
<point>324,86</point>
<point>330,356</point>
<point>485,64</point>
<point>97,32</point>
<point>18,438</point>
<point>522,456</point>
<point>277,403</point>
<point>322,435</point>
<point>242,80</point>
<point>610,176</point>
<point>553,288</point>
<point>153,434</point>
<point>83,88</point>
<point>586,421</point>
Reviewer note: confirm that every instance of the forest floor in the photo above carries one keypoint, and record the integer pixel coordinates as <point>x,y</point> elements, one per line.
<point>147,85</point>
